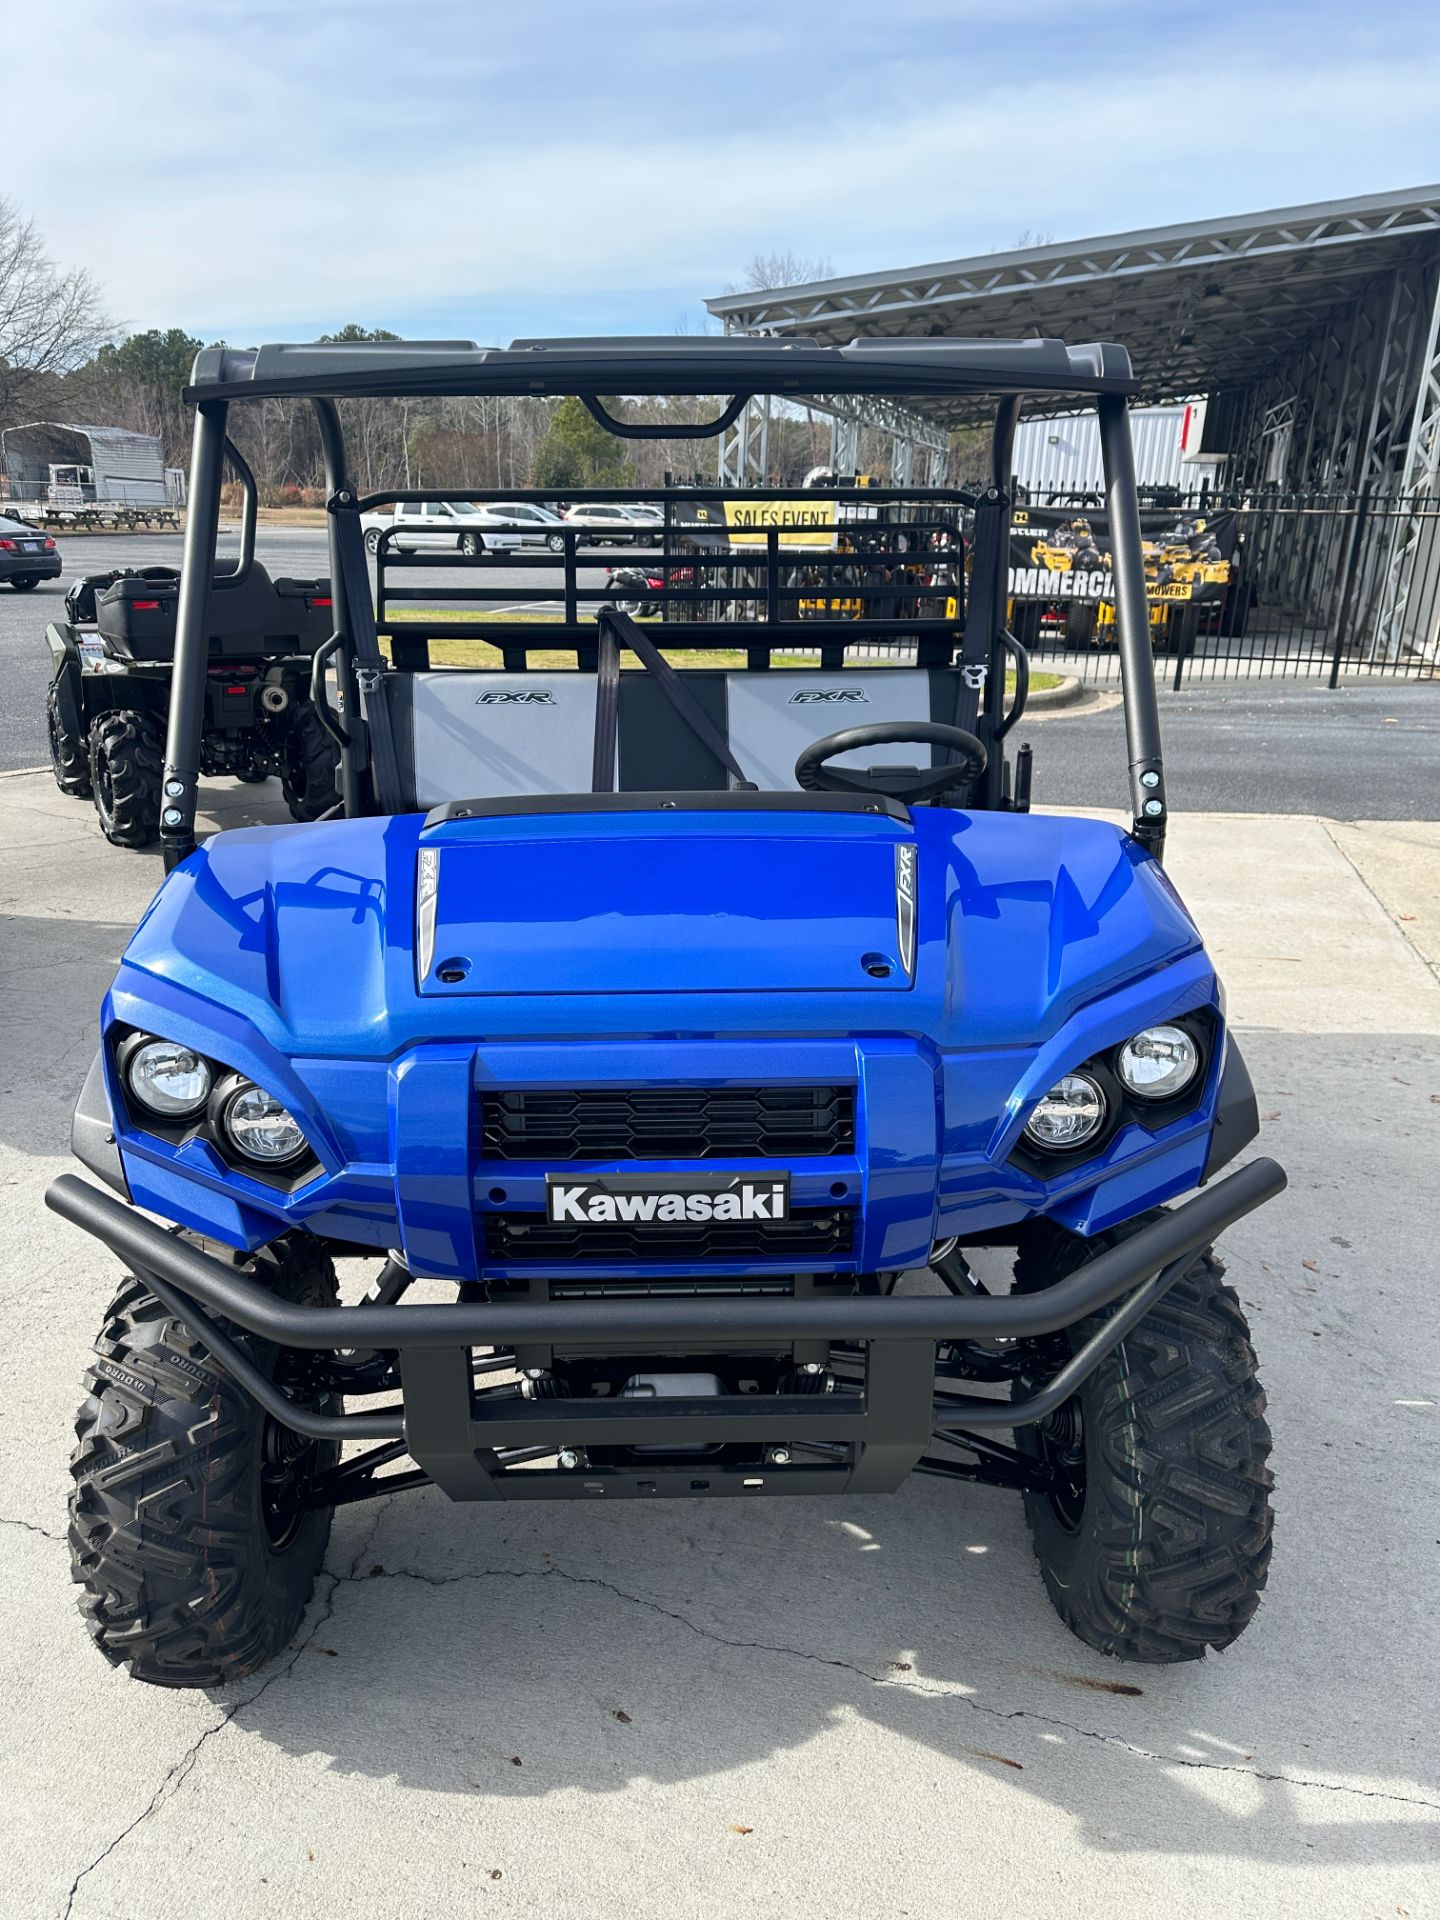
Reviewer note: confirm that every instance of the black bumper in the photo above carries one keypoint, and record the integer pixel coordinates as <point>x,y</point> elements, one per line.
<point>876,1434</point>
<point>29,566</point>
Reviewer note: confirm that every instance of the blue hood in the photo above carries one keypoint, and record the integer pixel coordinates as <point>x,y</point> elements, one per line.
<point>649,923</point>
<point>666,903</point>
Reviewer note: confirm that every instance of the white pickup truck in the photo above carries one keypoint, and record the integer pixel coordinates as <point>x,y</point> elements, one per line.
<point>457,524</point>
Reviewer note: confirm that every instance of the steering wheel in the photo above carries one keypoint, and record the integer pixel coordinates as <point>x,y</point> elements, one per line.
<point>896,783</point>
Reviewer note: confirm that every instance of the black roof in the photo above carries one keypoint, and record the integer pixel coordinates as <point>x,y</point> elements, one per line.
<point>665,364</point>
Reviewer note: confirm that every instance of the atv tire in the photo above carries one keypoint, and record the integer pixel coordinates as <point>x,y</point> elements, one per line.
<point>1156,1544</point>
<point>1080,625</point>
<point>69,756</point>
<point>127,760</point>
<point>308,765</point>
<point>186,1532</point>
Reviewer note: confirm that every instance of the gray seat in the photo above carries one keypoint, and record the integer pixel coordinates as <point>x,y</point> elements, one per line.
<point>463,735</point>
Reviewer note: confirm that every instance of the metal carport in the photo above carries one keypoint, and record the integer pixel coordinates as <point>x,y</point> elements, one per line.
<point>1314,331</point>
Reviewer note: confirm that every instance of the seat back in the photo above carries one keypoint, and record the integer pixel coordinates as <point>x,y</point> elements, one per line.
<point>463,735</point>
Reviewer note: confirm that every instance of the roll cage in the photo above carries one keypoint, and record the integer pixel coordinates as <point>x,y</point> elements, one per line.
<point>897,568</point>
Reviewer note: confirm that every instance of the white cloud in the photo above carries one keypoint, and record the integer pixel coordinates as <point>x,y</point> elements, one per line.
<point>297,174</point>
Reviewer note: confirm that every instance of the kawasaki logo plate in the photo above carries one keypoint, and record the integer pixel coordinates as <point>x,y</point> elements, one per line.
<point>666,1200</point>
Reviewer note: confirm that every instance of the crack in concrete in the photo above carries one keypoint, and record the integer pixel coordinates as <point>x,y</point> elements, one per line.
<point>1429,965</point>
<point>905,1684</point>
<point>181,1769</point>
<point>30,1526</point>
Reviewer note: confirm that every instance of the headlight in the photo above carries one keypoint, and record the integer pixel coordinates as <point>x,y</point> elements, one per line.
<point>167,1079</point>
<point>1072,1112</point>
<point>258,1127</point>
<point>1158,1063</point>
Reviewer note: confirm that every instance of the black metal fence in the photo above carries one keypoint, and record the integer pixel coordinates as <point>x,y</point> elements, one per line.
<point>1246,586</point>
<point>1324,585</point>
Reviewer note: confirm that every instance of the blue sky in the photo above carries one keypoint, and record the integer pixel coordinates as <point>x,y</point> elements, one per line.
<point>487,168</point>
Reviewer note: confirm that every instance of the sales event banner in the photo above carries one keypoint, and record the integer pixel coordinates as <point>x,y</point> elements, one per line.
<point>804,522</point>
<point>1063,554</point>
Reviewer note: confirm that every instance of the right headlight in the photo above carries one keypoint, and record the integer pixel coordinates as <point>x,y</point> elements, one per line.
<point>257,1126</point>
<point>1158,1063</point>
<point>1072,1112</point>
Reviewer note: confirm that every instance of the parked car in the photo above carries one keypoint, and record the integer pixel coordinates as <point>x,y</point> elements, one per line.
<point>605,525</point>
<point>26,554</point>
<point>648,517</point>
<point>537,526</point>
<point>457,524</point>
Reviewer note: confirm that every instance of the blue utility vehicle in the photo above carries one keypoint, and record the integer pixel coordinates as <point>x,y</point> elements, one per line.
<point>685,1031</point>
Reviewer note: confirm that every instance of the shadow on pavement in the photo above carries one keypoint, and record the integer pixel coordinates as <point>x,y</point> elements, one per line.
<point>629,1646</point>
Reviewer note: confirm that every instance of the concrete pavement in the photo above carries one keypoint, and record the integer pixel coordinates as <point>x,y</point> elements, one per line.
<point>858,1708</point>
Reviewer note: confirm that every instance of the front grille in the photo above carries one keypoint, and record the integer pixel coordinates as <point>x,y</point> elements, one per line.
<point>668,1123</point>
<point>825,1234</point>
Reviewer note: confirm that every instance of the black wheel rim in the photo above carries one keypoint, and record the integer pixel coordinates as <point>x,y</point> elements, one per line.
<point>1062,1451</point>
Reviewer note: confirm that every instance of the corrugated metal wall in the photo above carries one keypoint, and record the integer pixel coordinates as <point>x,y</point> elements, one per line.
<point>129,467</point>
<point>1060,454</point>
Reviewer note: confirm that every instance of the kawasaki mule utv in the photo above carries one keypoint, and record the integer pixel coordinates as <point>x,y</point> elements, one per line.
<point>112,661</point>
<point>691,1043</point>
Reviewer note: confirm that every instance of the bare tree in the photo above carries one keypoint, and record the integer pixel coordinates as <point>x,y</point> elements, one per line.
<point>1027,237</point>
<point>50,320</point>
<point>783,269</point>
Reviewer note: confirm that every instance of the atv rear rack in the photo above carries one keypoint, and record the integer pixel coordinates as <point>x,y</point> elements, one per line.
<point>874,1437</point>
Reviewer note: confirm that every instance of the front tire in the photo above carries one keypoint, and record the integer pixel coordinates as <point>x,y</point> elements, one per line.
<point>308,765</point>
<point>1154,1543</point>
<point>471,545</point>
<point>555,542</point>
<point>68,753</point>
<point>187,1529</point>
<point>127,757</point>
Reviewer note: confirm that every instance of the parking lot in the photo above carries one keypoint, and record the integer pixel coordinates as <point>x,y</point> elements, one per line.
<point>864,1707</point>
<point>1368,750</point>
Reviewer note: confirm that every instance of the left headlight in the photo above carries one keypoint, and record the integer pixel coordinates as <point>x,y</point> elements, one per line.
<point>1158,1063</point>
<point>260,1128</point>
<point>168,1080</point>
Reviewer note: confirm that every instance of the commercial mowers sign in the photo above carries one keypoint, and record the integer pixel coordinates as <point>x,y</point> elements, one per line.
<point>1063,554</point>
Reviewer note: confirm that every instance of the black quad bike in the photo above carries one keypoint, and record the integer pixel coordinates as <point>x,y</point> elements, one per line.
<point>112,670</point>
